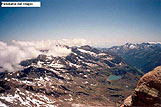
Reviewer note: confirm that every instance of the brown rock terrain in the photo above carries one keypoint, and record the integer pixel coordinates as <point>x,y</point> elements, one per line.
<point>147,92</point>
<point>86,77</point>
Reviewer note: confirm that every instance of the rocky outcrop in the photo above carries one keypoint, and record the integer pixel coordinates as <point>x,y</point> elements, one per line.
<point>147,92</point>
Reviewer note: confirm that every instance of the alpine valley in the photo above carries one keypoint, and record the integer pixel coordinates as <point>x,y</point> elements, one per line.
<point>86,77</point>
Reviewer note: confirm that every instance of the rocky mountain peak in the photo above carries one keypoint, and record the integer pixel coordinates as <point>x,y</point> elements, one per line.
<point>86,47</point>
<point>147,92</point>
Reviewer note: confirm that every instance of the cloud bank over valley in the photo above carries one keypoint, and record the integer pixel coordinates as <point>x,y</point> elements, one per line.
<point>12,54</point>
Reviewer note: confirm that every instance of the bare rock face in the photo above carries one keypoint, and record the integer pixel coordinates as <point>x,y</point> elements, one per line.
<point>147,92</point>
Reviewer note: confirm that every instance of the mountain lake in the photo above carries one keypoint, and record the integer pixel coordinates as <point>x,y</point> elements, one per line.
<point>114,77</point>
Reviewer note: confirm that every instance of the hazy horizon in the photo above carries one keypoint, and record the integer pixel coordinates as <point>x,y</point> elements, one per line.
<point>102,22</point>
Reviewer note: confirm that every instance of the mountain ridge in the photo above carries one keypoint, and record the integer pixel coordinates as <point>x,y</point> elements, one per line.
<point>81,78</point>
<point>144,56</point>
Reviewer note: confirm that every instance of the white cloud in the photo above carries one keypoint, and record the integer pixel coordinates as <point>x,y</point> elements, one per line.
<point>11,55</point>
<point>74,42</point>
<point>154,42</point>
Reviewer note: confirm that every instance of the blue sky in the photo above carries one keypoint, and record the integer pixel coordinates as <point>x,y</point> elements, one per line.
<point>103,22</point>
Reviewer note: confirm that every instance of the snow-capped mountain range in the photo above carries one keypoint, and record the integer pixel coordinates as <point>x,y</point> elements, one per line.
<point>72,80</point>
<point>144,56</point>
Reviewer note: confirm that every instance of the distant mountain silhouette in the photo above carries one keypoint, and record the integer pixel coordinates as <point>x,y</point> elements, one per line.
<point>144,56</point>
